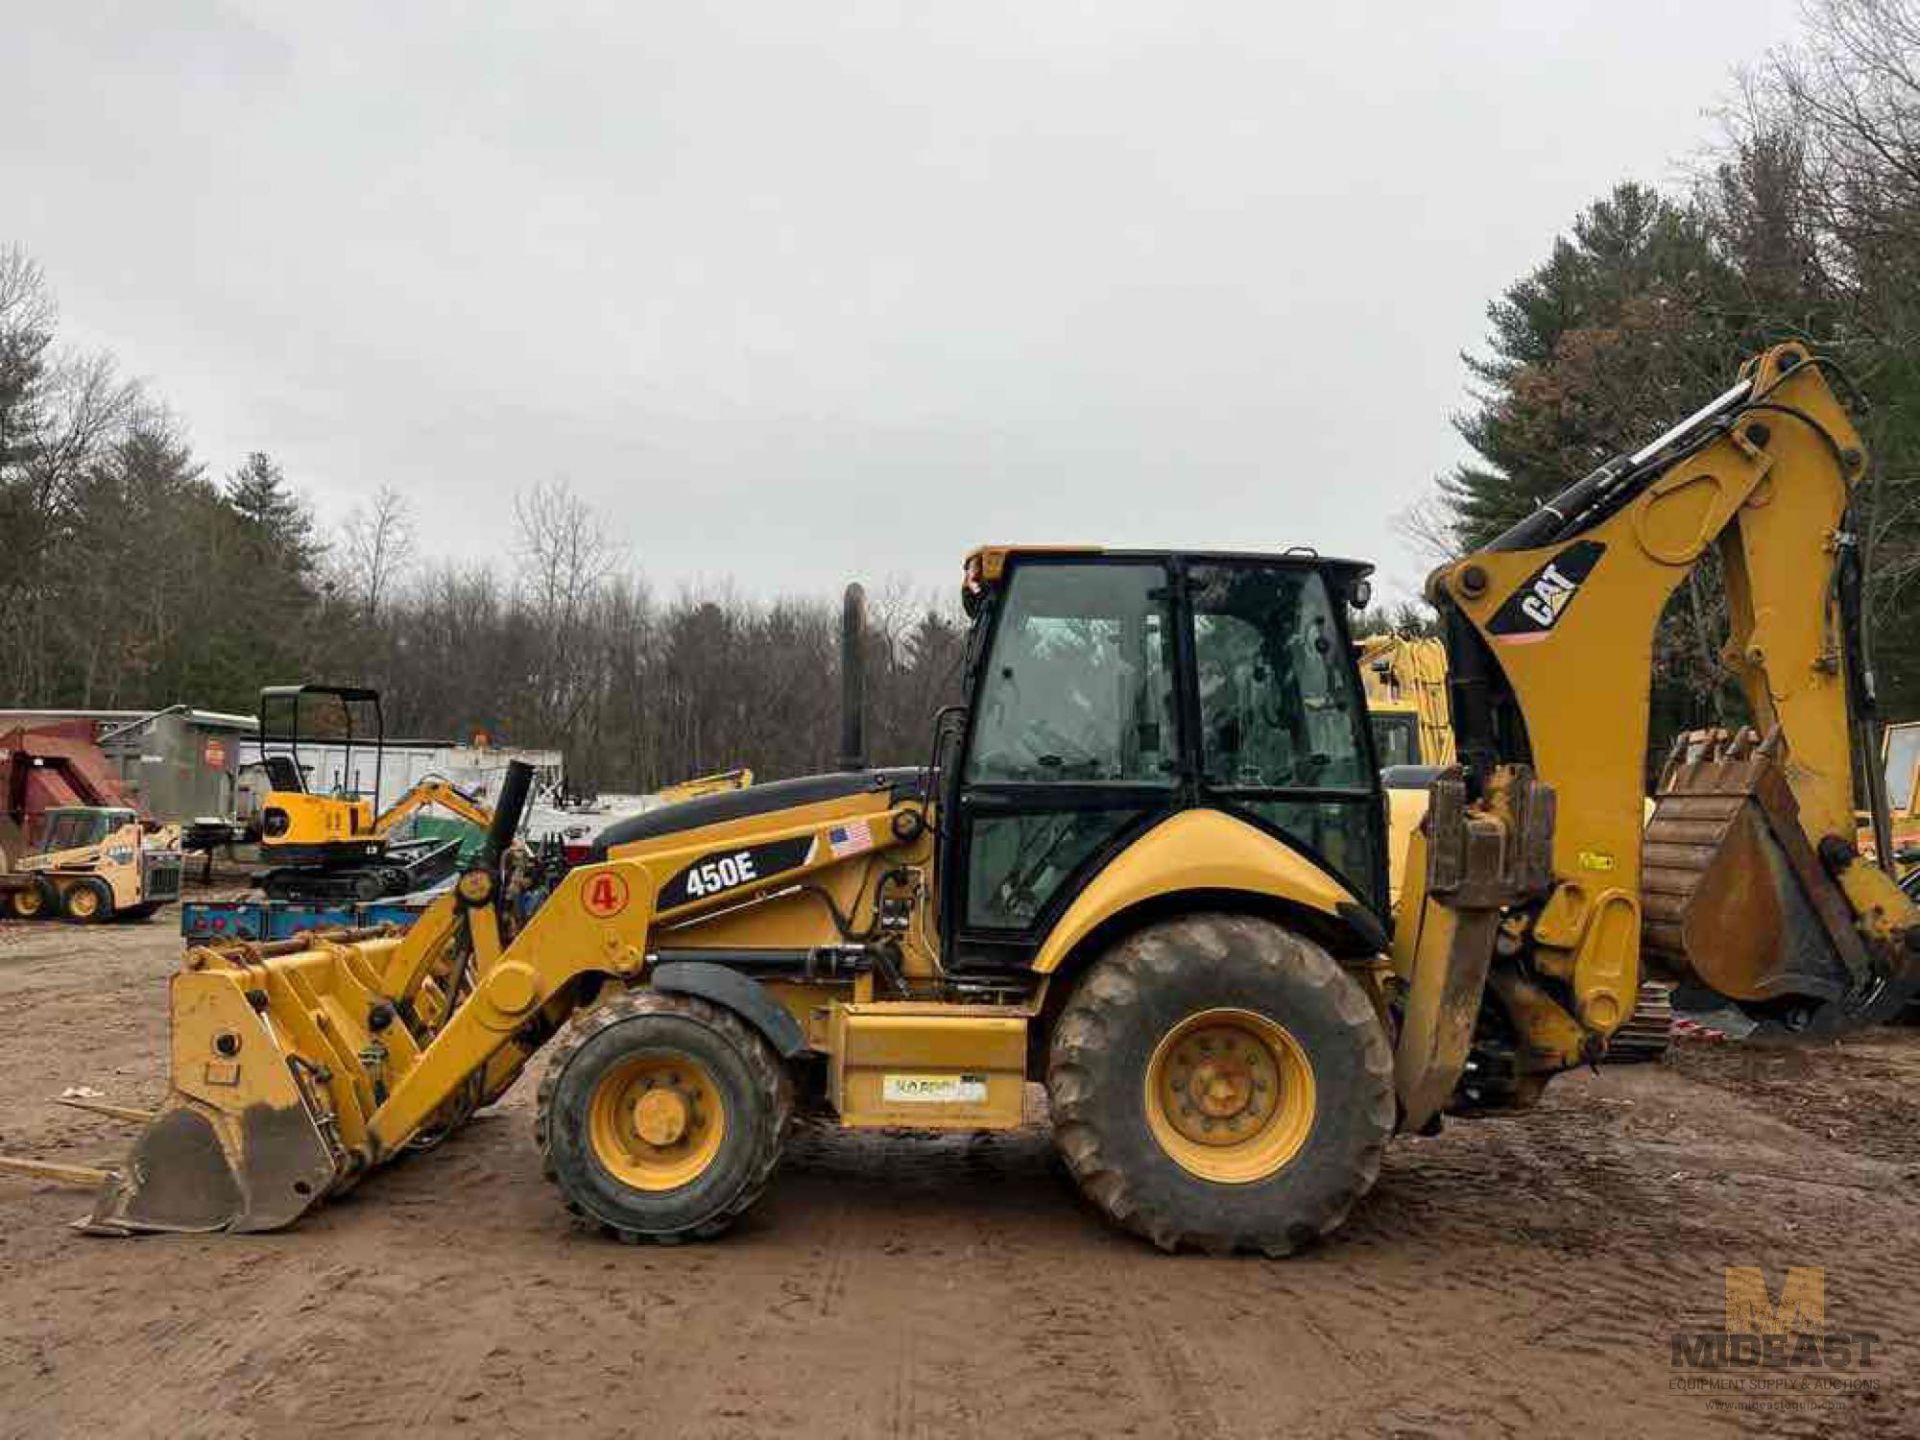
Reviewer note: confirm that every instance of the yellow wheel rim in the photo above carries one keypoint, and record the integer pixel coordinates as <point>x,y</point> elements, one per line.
<point>1230,1096</point>
<point>656,1120</point>
<point>82,902</point>
<point>28,903</point>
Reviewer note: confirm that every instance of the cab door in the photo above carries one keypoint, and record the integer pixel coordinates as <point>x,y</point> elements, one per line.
<point>1283,738</point>
<point>1071,749</point>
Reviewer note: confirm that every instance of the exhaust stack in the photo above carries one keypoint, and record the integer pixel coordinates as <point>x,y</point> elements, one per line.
<point>853,679</point>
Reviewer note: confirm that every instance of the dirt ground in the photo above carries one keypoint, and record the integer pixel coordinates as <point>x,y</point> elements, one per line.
<point>1512,1276</point>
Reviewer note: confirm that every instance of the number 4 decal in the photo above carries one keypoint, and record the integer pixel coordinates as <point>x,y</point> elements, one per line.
<point>605,895</point>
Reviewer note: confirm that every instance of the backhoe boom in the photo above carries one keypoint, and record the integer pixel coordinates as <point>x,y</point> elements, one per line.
<point>1748,872</point>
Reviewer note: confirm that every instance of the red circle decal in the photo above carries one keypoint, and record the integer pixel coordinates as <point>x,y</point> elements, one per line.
<point>605,895</point>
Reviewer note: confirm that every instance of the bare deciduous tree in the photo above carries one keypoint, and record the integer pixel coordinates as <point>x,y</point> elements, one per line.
<point>378,544</point>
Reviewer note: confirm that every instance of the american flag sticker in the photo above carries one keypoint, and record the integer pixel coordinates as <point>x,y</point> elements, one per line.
<point>849,839</point>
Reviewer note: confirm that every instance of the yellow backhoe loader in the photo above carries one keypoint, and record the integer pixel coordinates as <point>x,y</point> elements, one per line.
<point>1148,868</point>
<point>1404,678</point>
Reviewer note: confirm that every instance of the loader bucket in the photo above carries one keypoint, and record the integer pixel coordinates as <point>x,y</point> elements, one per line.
<point>1734,898</point>
<point>236,1146</point>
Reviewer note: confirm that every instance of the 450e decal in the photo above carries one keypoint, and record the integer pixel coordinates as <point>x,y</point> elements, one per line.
<point>721,871</point>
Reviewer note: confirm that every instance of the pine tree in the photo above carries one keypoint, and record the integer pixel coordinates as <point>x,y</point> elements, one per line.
<point>260,496</point>
<point>1630,320</point>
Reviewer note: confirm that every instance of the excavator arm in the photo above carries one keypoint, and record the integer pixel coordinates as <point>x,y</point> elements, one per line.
<point>1747,882</point>
<point>447,796</point>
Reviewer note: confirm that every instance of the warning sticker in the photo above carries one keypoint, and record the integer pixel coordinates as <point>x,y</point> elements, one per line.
<point>934,1089</point>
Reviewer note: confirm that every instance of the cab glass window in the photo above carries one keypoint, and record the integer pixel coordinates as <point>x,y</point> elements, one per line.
<point>1903,753</point>
<point>1283,727</point>
<point>1396,738</point>
<point>1279,701</point>
<point>72,829</point>
<point>1079,682</point>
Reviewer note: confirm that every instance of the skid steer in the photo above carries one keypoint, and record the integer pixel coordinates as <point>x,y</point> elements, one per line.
<point>95,863</point>
<point>1147,867</point>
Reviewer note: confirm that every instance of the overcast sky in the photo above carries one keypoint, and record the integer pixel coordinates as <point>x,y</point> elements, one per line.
<point>798,292</point>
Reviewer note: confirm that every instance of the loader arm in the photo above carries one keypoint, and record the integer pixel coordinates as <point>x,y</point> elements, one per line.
<point>1749,883</point>
<point>299,1066</point>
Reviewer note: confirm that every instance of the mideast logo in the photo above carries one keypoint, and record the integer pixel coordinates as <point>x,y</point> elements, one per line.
<point>1787,1334</point>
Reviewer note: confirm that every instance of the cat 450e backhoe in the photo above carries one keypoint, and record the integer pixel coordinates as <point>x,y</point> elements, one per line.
<point>1147,868</point>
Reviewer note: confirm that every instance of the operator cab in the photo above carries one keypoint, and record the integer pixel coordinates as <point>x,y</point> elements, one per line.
<point>1109,690</point>
<point>343,723</point>
<point>75,827</point>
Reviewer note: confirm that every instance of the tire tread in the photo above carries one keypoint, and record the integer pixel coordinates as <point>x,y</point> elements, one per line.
<point>1076,1075</point>
<point>761,1060</point>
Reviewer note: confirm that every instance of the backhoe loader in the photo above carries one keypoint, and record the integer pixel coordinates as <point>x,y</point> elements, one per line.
<point>1405,681</point>
<point>1146,865</point>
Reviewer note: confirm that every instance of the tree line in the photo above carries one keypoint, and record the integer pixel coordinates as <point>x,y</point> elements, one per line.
<point>135,578</point>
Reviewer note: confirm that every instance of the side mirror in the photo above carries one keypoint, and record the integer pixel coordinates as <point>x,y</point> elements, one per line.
<point>1360,594</point>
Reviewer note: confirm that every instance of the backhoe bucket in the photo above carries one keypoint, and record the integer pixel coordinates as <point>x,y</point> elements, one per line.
<point>236,1145</point>
<point>1735,899</point>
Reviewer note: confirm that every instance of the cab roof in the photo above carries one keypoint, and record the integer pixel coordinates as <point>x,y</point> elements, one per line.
<point>988,563</point>
<point>342,692</point>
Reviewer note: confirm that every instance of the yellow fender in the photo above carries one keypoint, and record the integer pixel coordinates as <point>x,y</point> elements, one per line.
<point>1192,851</point>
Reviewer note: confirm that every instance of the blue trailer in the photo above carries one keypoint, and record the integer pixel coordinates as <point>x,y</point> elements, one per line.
<point>205,920</point>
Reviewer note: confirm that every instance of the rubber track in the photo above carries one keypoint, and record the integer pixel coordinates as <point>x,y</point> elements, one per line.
<point>760,1058</point>
<point>1080,1044</point>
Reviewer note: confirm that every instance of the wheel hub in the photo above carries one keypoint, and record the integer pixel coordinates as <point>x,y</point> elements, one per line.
<point>660,1116</point>
<point>1230,1095</point>
<point>1218,1082</point>
<point>656,1122</point>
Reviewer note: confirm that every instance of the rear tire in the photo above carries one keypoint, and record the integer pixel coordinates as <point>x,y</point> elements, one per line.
<point>88,902</point>
<point>686,1167</point>
<point>38,901</point>
<point>1195,1023</point>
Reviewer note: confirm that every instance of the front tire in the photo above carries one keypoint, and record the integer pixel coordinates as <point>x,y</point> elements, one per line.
<point>88,902</point>
<point>661,1117</point>
<point>1220,1083</point>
